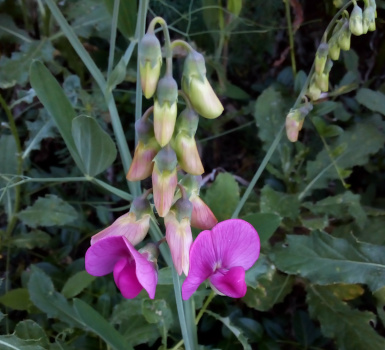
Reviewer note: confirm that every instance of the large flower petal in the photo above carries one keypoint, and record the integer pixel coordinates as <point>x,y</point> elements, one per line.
<point>202,264</point>
<point>230,282</point>
<point>236,243</point>
<point>126,279</point>
<point>102,256</point>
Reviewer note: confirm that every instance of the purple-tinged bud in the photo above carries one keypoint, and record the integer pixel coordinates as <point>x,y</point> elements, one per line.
<point>164,179</point>
<point>355,21</point>
<point>293,125</point>
<point>165,109</point>
<point>178,234</point>
<point>150,62</point>
<point>321,57</point>
<point>197,87</point>
<point>134,225</point>
<point>344,36</point>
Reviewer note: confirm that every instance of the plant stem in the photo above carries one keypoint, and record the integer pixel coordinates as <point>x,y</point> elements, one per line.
<point>114,24</point>
<point>291,37</point>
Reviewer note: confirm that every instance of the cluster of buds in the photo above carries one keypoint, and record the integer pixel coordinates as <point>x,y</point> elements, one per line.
<point>359,22</point>
<point>165,145</point>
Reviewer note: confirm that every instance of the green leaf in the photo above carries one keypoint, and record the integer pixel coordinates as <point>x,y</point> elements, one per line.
<point>76,284</point>
<point>373,100</point>
<point>324,259</point>
<point>127,16</point>
<point>14,70</point>
<point>354,147</point>
<point>265,224</point>
<point>57,104</point>
<point>8,160</point>
<point>9,30</point>
<point>283,204</point>
<point>235,330</point>
<point>94,145</point>
<point>223,196</point>
<point>30,330</point>
<point>44,296</point>
<point>262,269</point>
<point>35,238</point>
<point>12,342</point>
<point>100,326</point>
<point>351,328</point>
<point>48,211</point>
<point>271,289</point>
<point>165,276</point>
<point>17,299</point>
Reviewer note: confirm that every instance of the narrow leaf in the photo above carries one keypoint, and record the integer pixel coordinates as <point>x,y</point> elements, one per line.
<point>76,284</point>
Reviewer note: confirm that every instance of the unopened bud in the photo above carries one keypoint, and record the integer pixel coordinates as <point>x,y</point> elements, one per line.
<point>198,88</point>
<point>321,57</point>
<point>150,62</point>
<point>187,153</point>
<point>314,91</point>
<point>187,121</point>
<point>355,21</point>
<point>165,109</point>
<point>334,48</point>
<point>369,21</point>
<point>293,125</point>
<point>344,37</point>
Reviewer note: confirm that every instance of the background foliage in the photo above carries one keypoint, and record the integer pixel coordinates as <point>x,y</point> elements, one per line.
<point>319,206</point>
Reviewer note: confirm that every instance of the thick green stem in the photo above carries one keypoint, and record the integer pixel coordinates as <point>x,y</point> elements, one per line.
<point>114,25</point>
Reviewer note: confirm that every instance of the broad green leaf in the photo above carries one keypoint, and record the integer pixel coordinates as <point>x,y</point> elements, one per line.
<point>346,291</point>
<point>100,326</point>
<point>8,160</point>
<point>351,148</point>
<point>76,284</point>
<point>14,70</point>
<point>235,330</point>
<point>380,303</point>
<point>17,299</point>
<point>30,330</point>
<point>373,100</point>
<point>94,145</point>
<point>12,342</point>
<point>265,224</point>
<point>269,291</point>
<point>35,238</point>
<point>44,296</point>
<point>262,269</point>
<point>165,276</point>
<point>127,16</point>
<point>351,328</point>
<point>342,206</point>
<point>223,196</point>
<point>270,113</point>
<point>323,108</point>
<point>324,259</point>
<point>11,32</point>
<point>57,104</point>
<point>282,204</point>
<point>48,211</point>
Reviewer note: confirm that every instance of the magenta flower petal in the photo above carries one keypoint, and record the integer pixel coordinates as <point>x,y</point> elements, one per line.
<point>202,264</point>
<point>230,282</point>
<point>125,278</point>
<point>222,255</point>
<point>131,269</point>
<point>236,243</point>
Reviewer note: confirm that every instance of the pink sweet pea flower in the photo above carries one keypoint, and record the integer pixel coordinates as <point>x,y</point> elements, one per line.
<point>222,255</point>
<point>132,270</point>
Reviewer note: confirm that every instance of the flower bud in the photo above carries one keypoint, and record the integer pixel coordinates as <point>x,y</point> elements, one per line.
<point>145,151</point>
<point>202,217</point>
<point>321,57</point>
<point>178,234</point>
<point>314,91</point>
<point>334,48</point>
<point>164,179</point>
<point>150,62</point>
<point>188,121</point>
<point>355,21</point>
<point>197,87</point>
<point>187,153</point>
<point>293,125</point>
<point>165,109</point>
<point>151,252</point>
<point>369,22</point>
<point>344,35</point>
<point>133,226</point>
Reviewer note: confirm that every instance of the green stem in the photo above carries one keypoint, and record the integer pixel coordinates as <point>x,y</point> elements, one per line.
<point>291,37</point>
<point>139,33</point>
<point>114,25</point>
<point>186,99</point>
<point>182,43</point>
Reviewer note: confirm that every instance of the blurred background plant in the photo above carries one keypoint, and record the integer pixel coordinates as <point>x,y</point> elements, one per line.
<point>319,207</point>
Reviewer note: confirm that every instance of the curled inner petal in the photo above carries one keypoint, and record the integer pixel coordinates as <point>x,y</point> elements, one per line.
<point>230,282</point>
<point>125,278</point>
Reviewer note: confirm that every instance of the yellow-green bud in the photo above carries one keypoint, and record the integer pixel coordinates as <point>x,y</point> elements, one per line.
<point>188,121</point>
<point>321,57</point>
<point>314,91</point>
<point>334,48</point>
<point>150,62</point>
<point>344,35</point>
<point>355,21</point>
<point>369,21</point>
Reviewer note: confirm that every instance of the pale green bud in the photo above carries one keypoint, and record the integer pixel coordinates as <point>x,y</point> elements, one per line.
<point>369,21</point>
<point>150,62</point>
<point>188,121</point>
<point>344,37</point>
<point>355,21</point>
<point>314,91</point>
<point>334,48</point>
<point>321,57</point>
